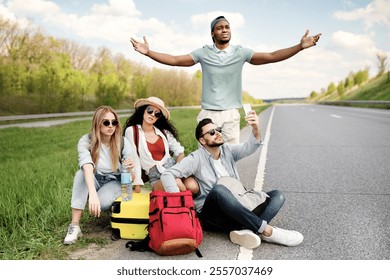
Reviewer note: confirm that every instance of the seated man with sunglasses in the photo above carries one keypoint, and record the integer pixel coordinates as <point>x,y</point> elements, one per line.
<point>216,206</point>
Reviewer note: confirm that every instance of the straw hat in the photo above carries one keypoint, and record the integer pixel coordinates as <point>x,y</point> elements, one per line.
<point>154,101</point>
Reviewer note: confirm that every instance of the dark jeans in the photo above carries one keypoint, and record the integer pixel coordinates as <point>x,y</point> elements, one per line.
<point>223,212</point>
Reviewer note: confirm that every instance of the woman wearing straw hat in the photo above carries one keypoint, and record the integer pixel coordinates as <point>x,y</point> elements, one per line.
<point>157,140</point>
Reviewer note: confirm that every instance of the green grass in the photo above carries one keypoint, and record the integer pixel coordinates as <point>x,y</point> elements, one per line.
<point>377,89</point>
<point>37,170</point>
<point>185,123</point>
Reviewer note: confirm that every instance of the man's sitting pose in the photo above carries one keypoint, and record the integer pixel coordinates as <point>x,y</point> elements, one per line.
<point>216,206</point>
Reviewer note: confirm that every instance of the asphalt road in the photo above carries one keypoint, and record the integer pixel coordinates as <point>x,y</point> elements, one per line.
<point>333,165</point>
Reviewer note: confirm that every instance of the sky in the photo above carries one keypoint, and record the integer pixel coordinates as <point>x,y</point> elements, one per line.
<point>353,33</point>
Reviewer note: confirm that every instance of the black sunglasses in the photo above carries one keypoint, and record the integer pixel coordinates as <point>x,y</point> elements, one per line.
<point>153,112</point>
<point>212,131</point>
<point>108,122</point>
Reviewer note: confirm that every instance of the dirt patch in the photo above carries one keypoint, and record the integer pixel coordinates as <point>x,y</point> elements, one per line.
<point>104,248</point>
<point>98,252</point>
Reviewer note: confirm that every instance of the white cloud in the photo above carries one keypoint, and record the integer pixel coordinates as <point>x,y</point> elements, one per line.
<point>33,7</point>
<point>351,40</point>
<point>5,13</point>
<point>357,42</point>
<point>204,20</point>
<point>118,20</point>
<point>309,70</point>
<point>9,15</point>
<point>377,12</point>
<point>111,21</point>
<point>116,7</point>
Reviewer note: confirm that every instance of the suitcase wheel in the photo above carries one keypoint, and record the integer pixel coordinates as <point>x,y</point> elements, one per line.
<point>115,234</point>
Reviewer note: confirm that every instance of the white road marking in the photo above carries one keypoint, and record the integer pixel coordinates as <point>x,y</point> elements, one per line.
<point>259,181</point>
<point>336,116</point>
<point>245,254</point>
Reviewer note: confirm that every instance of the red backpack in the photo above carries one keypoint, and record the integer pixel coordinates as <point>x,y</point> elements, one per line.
<point>174,228</point>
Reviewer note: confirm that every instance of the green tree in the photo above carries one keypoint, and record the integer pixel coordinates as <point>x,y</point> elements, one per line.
<point>42,74</point>
<point>361,76</point>
<point>110,90</point>
<point>125,71</point>
<point>313,94</point>
<point>331,88</point>
<point>349,81</point>
<point>341,88</point>
<point>382,63</point>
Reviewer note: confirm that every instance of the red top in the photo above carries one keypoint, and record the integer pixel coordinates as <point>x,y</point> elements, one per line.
<point>157,149</point>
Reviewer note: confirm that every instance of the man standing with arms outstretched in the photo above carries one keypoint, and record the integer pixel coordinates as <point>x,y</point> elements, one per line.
<point>222,65</point>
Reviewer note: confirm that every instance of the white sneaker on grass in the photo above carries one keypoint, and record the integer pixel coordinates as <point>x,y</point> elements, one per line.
<point>245,238</point>
<point>284,237</point>
<point>74,233</point>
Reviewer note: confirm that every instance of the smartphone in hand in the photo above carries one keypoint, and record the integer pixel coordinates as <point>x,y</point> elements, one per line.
<point>247,108</point>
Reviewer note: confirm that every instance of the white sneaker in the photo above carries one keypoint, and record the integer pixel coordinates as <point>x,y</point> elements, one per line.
<point>245,238</point>
<point>74,233</point>
<point>284,237</point>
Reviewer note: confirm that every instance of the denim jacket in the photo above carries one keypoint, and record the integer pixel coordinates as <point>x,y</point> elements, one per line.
<point>129,150</point>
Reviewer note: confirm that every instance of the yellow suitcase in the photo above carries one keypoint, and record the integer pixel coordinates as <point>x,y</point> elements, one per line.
<point>129,219</point>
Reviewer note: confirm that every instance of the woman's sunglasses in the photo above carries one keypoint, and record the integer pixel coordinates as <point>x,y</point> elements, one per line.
<point>108,122</point>
<point>212,131</point>
<point>153,112</point>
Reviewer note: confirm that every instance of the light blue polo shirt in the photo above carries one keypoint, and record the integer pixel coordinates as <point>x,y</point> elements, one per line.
<point>222,75</point>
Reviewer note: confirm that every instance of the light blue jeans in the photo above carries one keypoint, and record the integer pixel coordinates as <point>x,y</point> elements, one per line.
<point>223,212</point>
<point>154,175</point>
<point>108,189</point>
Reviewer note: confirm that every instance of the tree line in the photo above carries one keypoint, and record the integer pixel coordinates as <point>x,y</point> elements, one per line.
<point>43,74</point>
<point>353,80</point>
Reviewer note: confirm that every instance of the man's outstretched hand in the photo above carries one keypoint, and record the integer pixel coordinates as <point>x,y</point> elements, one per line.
<point>309,41</point>
<point>139,46</point>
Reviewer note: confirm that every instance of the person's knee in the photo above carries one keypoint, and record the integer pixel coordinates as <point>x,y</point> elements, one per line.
<point>106,207</point>
<point>221,191</point>
<point>157,185</point>
<point>191,184</point>
<point>279,196</point>
<point>79,180</point>
<point>105,204</point>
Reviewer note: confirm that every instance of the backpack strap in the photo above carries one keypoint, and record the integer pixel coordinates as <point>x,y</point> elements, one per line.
<point>164,132</point>
<point>139,246</point>
<point>122,145</point>
<point>144,177</point>
<point>136,137</point>
<point>198,253</point>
